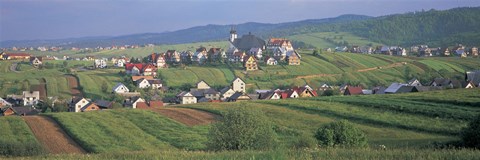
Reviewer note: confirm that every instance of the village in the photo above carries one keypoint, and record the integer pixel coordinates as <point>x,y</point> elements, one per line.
<point>248,51</point>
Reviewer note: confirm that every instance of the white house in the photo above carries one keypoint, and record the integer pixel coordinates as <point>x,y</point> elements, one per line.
<point>226,92</point>
<point>30,97</point>
<point>156,83</point>
<point>238,85</point>
<point>257,52</point>
<point>120,88</point>
<point>271,61</point>
<point>187,98</point>
<point>143,83</point>
<point>100,63</point>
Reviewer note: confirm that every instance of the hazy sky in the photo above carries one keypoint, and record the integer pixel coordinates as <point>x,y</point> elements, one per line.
<point>52,19</point>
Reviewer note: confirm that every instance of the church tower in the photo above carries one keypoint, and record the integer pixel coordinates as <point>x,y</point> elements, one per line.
<point>233,34</point>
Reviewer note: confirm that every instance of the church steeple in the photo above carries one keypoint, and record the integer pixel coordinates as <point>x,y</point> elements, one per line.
<point>233,34</point>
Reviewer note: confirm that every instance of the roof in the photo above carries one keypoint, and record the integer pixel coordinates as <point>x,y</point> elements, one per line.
<point>224,90</point>
<point>89,105</point>
<point>155,81</point>
<point>354,90</point>
<point>427,88</point>
<point>33,58</point>
<point>248,41</point>
<point>239,53</point>
<point>25,111</point>
<point>31,94</point>
<point>103,103</point>
<point>118,85</point>
<point>379,90</point>
<point>18,54</point>
<point>473,76</point>
<point>135,78</point>
<point>441,81</point>
<point>407,89</point>
<point>142,105</point>
<point>129,66</point>
<point>210,91</point>
<point>394,87</point>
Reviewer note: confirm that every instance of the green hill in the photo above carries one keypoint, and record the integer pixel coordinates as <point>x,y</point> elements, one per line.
<point>408,124</point>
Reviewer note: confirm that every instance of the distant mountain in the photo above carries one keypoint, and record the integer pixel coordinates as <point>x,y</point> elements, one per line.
<point>194,34</point>
<point>436,28</point>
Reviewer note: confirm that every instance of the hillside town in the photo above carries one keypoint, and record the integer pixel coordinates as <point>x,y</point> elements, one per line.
<point>249,51</point>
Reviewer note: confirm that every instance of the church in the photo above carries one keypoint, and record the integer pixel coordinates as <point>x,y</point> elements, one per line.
<point>245,43</point>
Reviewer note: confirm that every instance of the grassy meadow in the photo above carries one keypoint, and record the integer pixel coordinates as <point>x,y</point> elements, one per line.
<point>17,138</point>
<point>332,39</point>
<point>411,126</point>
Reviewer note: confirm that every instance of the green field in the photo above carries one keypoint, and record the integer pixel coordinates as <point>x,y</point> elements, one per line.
<point>17,139</point>
<point>319,39</point>
<point>410,125</point>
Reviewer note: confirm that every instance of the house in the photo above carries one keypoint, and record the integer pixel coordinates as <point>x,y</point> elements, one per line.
<point>14,56</point>
<point>120,88</point>
<point>394,87</point>
<point>156,83</point>
<point>202,85</point>
<point>350,90</point>
<point>80,104</point>
<point>378,90</point>
<point>215,53</point>
<point>157,60</point>
<point>270,61</point>
<point>133,102</point>
<point>3,56</point>
<point>143,83</point>
<point>100,63</point>
<point>30,97</point>
<point>226,92</point>
<point>325,87</point>
<point>186,57</point>
<point>473,76</point>
<point>250,63</point>
<point>7,111</point>
<point>292,94</point>
<point>186,98</point>
<point>305,91</point>
<point>293,58</point>
<point>149,70</point>
<point>257,52</point>
<point>442,82</point>
<point>4,103</point>
<point>468,84</point>
<point>279,43</point>
<point>134,68</point>
<point>36,61</point>
<point>238,85</point>
<point>414,82</point>
<point>24,111</point>
<point>446,52</point>
<point>119,62</point>
<point>136,78</point>
<point>279,53</point>
<point>103,104</point>
<point>342,88</point>
<point>151,104</point>
<point>239,96</point>
<point>406,89</point>
<point>247,42</point>
<point>238,56</point>
<point>172,56</point>
<point>427,88</point>
<point>200,55</point>
<point>473,51</point>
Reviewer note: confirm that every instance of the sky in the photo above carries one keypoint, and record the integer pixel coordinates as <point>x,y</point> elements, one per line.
<point>56,19</point>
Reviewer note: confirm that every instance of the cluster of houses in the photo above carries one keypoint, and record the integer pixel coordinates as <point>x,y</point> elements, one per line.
<point>419,50</point>
<point>472,80</point>
<point>20,104</point>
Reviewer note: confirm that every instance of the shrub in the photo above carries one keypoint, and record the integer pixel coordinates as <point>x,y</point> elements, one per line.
<point>304,141</point>
<point>340,134</point>
<point>471,134</point>
<point>242,129</point>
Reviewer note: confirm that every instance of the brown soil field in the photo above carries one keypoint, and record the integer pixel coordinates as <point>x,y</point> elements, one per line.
<point>73,83</point>
<point>51,136</point>
<point>189,117</point>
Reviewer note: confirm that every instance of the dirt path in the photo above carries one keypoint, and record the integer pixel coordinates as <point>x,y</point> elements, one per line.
<point>51,136</point>
<point>382,67</point>
<point>317,75</point>
<point>189,117</point>
<point>73,83</point>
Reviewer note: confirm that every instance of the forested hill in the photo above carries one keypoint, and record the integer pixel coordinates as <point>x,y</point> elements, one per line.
<point>438,28</point>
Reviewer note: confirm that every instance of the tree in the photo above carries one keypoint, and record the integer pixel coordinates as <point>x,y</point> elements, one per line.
<point>65,64</point>
<point>340,134</point>
<point>242,129</point>
<point>471,134</point>
<point>104,87</point>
